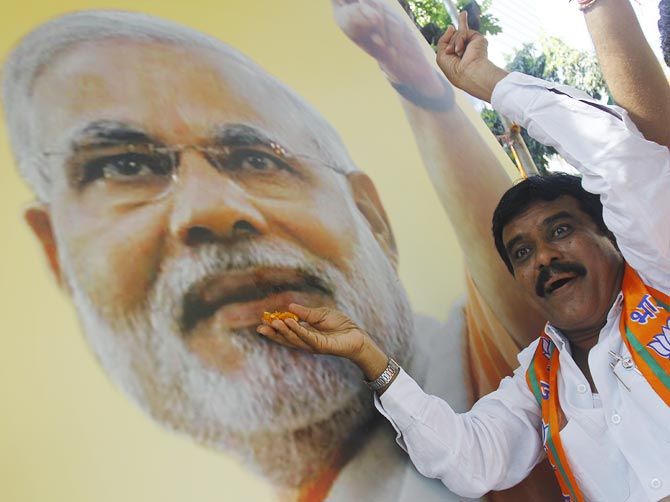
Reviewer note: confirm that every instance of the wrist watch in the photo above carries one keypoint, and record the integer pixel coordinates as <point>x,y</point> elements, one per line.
<point>392,369</point>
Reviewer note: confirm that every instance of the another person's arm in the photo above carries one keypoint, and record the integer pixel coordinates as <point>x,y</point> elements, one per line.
<point>468,176</point>
<point>492,447</point>
<point>630,173</point>
<point>632,72</point>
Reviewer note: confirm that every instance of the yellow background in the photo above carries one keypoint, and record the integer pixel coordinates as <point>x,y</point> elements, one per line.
<point>66,434</point>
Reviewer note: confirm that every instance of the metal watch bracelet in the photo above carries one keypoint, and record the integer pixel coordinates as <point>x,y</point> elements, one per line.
<point>392,369</point>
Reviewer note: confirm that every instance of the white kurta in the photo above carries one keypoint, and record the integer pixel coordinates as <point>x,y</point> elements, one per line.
<point>381,471</point>
<point>618,441</point>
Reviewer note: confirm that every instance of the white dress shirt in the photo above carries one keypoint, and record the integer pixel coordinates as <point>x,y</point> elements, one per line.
<point>617,441</point>
<point>380,471</point>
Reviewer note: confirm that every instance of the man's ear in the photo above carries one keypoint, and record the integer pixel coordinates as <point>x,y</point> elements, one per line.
<point>368,203</point>
<point>39,219</point>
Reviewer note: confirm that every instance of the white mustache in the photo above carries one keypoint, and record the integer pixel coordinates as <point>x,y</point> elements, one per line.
<point>183,275</point>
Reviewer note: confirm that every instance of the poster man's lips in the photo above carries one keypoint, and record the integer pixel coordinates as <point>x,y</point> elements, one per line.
<point>243,287</point>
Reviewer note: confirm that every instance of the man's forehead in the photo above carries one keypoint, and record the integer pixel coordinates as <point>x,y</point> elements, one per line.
<point>177,91</point>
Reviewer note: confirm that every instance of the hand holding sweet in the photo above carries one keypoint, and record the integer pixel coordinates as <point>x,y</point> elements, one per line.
<point>327,331</point>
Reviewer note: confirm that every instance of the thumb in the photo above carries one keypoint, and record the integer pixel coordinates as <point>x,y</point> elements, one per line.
<point>307,314</point>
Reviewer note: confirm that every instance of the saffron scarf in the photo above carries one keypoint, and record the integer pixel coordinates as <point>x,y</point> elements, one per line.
<point>645,329</point>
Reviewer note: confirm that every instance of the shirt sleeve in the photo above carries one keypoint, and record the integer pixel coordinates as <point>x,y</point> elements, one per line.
<point>492,447</point>
<point>631,174</point>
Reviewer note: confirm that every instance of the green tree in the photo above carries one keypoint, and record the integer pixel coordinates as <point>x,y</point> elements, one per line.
<point>432,18</point>
<point>554,61</point>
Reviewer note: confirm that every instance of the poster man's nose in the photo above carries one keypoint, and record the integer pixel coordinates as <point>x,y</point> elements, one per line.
<point>209,206</point>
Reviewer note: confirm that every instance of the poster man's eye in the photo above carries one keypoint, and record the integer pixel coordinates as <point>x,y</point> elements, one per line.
<point>253,160</point>
<point>127,167</point>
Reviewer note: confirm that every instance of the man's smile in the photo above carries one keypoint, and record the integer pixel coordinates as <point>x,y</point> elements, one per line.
<point>238,298</point>
<point>557,282</point>
<point>556,276</point>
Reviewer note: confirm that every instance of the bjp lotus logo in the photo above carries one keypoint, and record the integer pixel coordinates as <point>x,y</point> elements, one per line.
<point>547,346</point>
<point>661,343</point>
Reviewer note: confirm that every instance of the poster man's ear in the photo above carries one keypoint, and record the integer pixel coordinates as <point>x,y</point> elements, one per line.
<point>39,220</point>
<point>368,203</point>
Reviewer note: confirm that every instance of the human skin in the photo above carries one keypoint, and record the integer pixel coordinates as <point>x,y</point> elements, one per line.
<point>459,161</point>
<point>118,249</point>
<point>543,234</point>
<point>632,72</point>
<point>99,237</point>
<point>558,231</point>
<point>470,70</point>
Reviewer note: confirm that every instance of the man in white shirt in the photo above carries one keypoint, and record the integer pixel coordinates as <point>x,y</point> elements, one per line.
<point>571,261</point>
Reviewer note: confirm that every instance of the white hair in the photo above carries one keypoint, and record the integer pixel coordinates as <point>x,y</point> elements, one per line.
<point>41,46</point>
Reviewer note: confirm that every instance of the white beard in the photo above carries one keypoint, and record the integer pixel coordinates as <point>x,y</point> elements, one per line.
<point>287,412</point>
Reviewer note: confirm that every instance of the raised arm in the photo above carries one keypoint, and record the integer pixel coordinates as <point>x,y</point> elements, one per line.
<point>630,173</point>
<point>463,160</point>
<point>632,72</point>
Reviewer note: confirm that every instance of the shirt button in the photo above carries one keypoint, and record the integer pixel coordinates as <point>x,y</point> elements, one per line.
<point>581,388</point>
<point>655,483</point>
<point>616,419</point>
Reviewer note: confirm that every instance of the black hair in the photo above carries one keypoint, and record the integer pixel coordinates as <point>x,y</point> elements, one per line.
<point>543,188</point>
<point>664,28</point>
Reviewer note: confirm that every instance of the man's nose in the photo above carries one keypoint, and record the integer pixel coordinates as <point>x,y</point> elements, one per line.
<point>546,254</point>
<point>209,206</point>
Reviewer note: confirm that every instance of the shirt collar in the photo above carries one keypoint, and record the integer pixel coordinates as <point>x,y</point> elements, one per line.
<point>561,341</point>
<point>557,337</point>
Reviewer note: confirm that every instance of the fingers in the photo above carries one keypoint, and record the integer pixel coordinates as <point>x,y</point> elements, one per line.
<point>463,22</point>
<point>462,34</point>
<point>445,43</point>
<point>272,334</point>
<point>308,336</point>
<point>312,316</point>
<point>290,336</point>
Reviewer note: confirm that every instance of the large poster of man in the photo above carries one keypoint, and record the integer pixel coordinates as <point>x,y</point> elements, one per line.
<point>179,190</point>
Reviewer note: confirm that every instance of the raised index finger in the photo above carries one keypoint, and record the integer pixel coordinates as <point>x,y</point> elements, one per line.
<point>463,22</point>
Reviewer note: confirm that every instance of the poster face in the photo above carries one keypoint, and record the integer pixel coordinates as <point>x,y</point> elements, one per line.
<point>189,168</point>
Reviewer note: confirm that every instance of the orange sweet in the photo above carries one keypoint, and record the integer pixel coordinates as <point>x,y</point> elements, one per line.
<point>273,316</point>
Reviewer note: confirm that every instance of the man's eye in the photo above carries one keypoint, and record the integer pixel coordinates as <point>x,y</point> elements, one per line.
<point>561,230</point>
<point>255,161</point>
<point>521,253</point>
<point>127,167</point>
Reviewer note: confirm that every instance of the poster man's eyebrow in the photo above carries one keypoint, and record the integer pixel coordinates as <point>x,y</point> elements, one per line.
<point>108,133</point>
<point>244,135</point>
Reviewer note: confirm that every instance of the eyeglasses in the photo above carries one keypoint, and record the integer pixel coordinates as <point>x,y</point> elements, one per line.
<point>136,173</point>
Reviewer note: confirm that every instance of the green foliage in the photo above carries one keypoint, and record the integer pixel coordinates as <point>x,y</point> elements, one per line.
<point>432,18</point>
<point>492,120</point>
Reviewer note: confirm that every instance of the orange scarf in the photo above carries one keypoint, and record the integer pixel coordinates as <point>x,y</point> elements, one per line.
<point>645,329</point>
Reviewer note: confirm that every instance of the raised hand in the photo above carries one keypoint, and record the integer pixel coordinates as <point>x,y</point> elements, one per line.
<point>462,54</point>
<point>387,35</point>
<point>327,331</point>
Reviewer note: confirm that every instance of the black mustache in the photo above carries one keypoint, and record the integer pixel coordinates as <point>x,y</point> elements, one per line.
<point>554,268</point>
